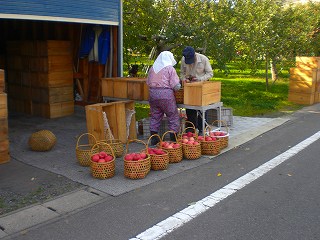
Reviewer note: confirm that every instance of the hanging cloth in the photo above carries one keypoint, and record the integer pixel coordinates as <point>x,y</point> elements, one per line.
<point>95,44</point>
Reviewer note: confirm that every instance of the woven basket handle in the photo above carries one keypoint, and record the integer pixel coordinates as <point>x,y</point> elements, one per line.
<point>221,121</point>
<point>207,129</point>
<point>105,144</point>
<point>137,141</point>
<point>170,131</point>
<point>89,135</point>
<point>154,135</point>
<point>194,130</point>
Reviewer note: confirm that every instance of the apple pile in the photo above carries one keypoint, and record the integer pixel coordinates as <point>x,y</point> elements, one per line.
<point>156,151</point>
<point>101,157</point>
<point>218,133</point>
<point>207,138</point>
<point>189,138</point>
<point>135,156</point>
<point>167,145</point>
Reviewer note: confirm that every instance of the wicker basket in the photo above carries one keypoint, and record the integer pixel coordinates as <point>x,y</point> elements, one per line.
<point>183,127</point>
<point>43,140</point>
<point>84,151</point>
<point>136,169</point>
<point>224,140</point>
<point>191,151</point>
<point>179,95</point>
<point>103,170</point>
<point>116,144</point>
<point>175,154</point>
<point>158,162</point>
<point>210,147</point>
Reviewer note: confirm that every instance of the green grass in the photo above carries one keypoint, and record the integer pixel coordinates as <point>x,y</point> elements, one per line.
<point>246,93</point>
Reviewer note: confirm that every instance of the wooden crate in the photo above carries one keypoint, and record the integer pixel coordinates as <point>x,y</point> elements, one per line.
<point>18,105</point>
<point>301,98</point>
<point>127,88</point>
<point>2,81</point>
<point>138,89</point>
<point>302,86</point>
<point>53,110</point>
<point>202,93</point>
<point>116,115</point>
<point>4,151</point>
<point>53,79</point>
<point>52,94</point>
<point>106,87</point>
<point>3,129</point>
<point>19,92</point>
<point>59,63</point>
<point>299,74</point>
<point>53,47</point>
<point>3,105</point>
<point>307,62</point>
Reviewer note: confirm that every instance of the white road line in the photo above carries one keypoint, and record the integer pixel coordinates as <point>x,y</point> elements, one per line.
<point>177,220</point>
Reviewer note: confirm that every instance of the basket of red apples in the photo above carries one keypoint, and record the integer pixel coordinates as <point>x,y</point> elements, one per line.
<point>102,163</point>
<point>136,164</point>
<point>223,135</point>
<point>210,145</point>
<point>190,145</point>
<point>173,148</point>
<point>159,158</point>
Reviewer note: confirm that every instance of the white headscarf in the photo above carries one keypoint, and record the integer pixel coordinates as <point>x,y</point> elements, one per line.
<point>164,59</point>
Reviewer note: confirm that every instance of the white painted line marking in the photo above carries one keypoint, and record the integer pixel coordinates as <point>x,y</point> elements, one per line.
<point>177,220</point>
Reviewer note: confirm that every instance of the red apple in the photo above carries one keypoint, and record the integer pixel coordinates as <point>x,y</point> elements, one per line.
<point>128,157</point>
<point>143,155</point>
<point>101,160</point>
<point>95,157</point>
<point>176,145</point>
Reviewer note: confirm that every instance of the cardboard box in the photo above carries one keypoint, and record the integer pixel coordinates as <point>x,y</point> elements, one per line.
<point>301,98</point>
<point>202,93</point>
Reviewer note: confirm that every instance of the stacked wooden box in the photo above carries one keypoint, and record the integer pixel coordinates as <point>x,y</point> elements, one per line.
<point>118,115</point>
<point>127,88</point>
<point>202,93</point>
<point>304,82</point>
<point>4,138</point>
<point>40,78</point>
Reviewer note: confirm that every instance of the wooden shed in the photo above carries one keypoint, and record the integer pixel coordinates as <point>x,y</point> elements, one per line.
<point>53,54</point>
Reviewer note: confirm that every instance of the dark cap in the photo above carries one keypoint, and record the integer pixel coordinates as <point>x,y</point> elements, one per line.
<point>188,54</point>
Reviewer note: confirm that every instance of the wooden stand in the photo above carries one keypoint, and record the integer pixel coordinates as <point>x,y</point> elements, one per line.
<point>116,115</point>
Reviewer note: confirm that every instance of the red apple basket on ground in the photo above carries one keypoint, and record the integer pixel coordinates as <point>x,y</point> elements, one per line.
<point>182,128</point>
<point>159,158</point>
<point>137,164</point>
<point>210,145</point>
<point>223,135</point>
<point>102,164</point>
<point>84,151</point>
<point>190,146</point>
<point>173,148</point>
<point>116,144</point>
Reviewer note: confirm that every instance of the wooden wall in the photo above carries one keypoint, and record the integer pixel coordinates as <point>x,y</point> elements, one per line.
<point>87,74</point>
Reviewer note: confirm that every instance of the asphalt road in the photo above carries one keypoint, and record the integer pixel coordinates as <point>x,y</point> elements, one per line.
<point>281,204</point>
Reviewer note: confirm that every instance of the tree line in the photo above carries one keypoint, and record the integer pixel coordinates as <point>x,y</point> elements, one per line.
<point>249,31</point>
